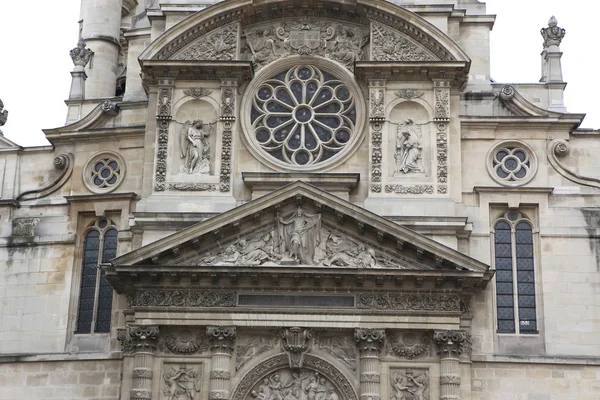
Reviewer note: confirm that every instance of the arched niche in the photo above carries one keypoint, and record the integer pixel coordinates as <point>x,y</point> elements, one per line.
<point>409,141</point>
<point>185,112</point>
<point>313,367</point>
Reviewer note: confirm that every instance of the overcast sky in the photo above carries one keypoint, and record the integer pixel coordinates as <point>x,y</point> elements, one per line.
<point>35,64</point>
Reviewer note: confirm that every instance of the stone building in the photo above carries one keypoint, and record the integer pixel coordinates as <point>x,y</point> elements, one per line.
<point>301,200</point>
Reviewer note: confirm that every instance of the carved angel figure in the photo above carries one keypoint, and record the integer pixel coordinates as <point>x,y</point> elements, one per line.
<point>195,149</point>
<point>262,45</point>
<point>409,148</point>
<point>406,386</point>
<point>344,253</point>
<point>181,384</point>
<point>348,45</point>
<point>298,235</point>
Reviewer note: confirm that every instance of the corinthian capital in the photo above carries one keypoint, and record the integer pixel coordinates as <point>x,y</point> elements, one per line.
<point>450,344</point>
<point>222,338</point>
<point>138,338</point>
<point>369,341</point>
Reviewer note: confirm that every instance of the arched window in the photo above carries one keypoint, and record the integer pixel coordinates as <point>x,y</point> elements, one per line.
<point>95,295</point>
<point>515,274</point>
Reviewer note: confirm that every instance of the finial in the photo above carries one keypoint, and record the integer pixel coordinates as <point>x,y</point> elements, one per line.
<point>552,35</point>
<point>3,115</point>
<point>80,55</point>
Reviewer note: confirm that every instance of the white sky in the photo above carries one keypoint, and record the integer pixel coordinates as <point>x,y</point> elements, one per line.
<point>35,64</point>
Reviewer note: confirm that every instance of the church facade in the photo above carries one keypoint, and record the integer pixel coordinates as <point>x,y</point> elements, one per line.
<point>301,200</point>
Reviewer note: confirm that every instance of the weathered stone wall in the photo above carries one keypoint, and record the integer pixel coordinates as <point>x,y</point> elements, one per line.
<point>97,379</point>
<point>496,381</point>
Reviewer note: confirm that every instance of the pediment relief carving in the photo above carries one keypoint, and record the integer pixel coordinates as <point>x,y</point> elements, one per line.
<point>221,45</point>
<point>300,238</point>
<point>390,45</point>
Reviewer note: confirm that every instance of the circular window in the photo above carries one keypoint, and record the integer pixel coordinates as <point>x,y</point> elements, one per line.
<point>104,172</point>
<point>303,117</point>
<point>512,163</point>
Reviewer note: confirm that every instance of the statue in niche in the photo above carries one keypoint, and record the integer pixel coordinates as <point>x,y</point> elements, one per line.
<point>195,148</point>
<point>261,42</point>
<point>408,386</point>
<point>409,148</point>
<point>182,384</point>
<point>345,253</point>
<point>298,235</point>
<point>297,385</point>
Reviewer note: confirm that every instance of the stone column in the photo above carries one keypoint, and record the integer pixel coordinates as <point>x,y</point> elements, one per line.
<point>144,339</point>
<point>449,346</point>
<point>101,32</point>
<point>222,341</point>
<point>370,342</point>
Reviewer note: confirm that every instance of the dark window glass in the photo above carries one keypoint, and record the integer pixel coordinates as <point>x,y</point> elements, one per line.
<point>504,278</point>
<point>525,278</point>
<point>89,271</point>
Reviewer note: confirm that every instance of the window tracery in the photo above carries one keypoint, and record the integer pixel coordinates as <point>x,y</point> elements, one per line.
<point>95,294</point>
<point>515,273</point>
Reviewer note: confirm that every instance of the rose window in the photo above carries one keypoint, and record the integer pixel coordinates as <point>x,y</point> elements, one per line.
<point>303,116</point>
<point>104,172</point>
<point>512,163</point>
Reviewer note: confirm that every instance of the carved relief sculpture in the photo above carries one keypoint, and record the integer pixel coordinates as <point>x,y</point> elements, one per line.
<point>24,226</point>
<point>295,342</point>
<point>263,45</point>
<point>389,45</point>
<point>195,148</point>
<point>181,383</point>
<point>342,348</point>
<point>409,345</point>
<point>197,93</point>
<point>295,385</point>
<point>254,345</point>
<point>347,46</point>
<point>221,45</point>
<point>409,148</point>
<point>183,342</point>
<point>409,384</point>
<point>298,235</point>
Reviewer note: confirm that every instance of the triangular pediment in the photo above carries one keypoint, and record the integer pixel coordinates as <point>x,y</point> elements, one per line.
<point>300,226</point>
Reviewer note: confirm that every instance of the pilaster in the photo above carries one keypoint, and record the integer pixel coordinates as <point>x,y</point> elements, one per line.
<point>370,342</point>
<point>144,339</point>
<point>449,347</point>
<point>222,343</point>
<point>229,89</point>
<point>163,120</point>
<point>376,120</point>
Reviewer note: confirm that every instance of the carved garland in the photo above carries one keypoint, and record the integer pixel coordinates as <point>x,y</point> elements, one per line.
<point>163,120</point>
<point>183,298</point>
<point>228,102</point>
<point>408,302</point>
<point>376,118</point>
<point>442,116</point>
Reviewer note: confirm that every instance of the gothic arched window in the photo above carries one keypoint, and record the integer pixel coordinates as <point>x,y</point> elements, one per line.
<point>95,294</point>
<point>515,274</point>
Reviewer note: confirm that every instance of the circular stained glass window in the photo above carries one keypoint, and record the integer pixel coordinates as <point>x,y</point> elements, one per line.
<point>303,116</point>
<point>104,172</point>
<point>512,164</point>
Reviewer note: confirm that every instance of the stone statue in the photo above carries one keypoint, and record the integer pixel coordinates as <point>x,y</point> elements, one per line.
<point>344,253</point>
<point>298,235</point>
<point>409,148</point>
<point>80,55</point>
<point>182,384</point>
<point>3,115</point>
<point>195,148</point>
<point>348,44</point>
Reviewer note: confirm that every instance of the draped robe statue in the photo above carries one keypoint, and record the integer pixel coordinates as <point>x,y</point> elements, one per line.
<point>298,236</point>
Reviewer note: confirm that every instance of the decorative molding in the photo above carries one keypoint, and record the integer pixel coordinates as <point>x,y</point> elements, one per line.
<point>193,187</point>
<point>559,148</point>
<point>441,90</point>
<point>197,93</point>
<point>62,162</point>
<point>442,157</point>
<point>409,345</point>
<point>253,346</point>
<point>415,189</point>
<point>183,298</point>
<point>408,302</point>
<point>409,94</point>
<point>295,342</point>
<point>409,383</point>
<point>163,117</point>
<point>376,156</point>
<point>391,45</point>
<point>183,342</point>
<point>218,45</point>
<point>377,99</point>
<point>228,104</point>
